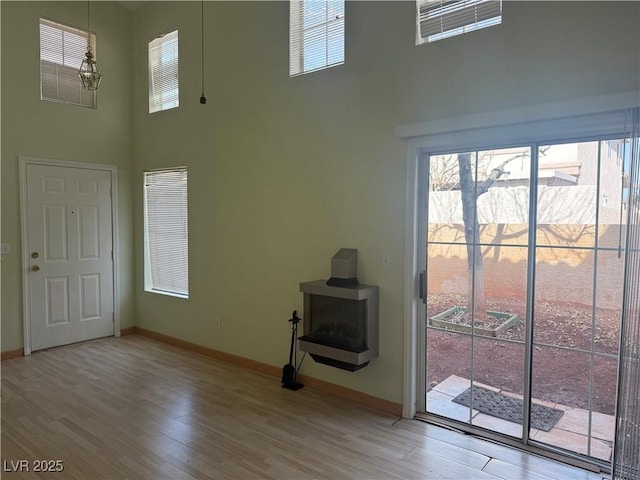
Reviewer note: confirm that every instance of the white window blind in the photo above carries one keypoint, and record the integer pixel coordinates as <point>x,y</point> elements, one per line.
<point>163,72</point>
<point>62,50</point>
<point>166,232</point>
<point>316,35</point>
<point>438,19</point>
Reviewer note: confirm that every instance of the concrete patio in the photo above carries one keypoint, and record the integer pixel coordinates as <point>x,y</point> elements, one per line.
<point>570,433</point>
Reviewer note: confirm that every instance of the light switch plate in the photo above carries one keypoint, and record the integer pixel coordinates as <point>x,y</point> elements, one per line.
<point>5,249</point>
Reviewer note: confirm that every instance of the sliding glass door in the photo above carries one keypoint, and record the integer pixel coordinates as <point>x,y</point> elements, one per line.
<point>477,259</point>
<point>523,290</point>
<point>579,249</point>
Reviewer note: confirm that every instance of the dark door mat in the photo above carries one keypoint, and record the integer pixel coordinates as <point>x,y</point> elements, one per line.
<point>509,408</point>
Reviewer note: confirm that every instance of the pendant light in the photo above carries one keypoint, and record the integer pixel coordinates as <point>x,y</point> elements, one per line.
<point>203,99</point>
<point>88,73</point>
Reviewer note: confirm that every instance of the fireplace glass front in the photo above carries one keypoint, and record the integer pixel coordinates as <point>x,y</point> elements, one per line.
<point>338,322</point>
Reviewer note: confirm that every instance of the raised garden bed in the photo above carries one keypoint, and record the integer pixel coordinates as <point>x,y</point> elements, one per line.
<point>455,318</point>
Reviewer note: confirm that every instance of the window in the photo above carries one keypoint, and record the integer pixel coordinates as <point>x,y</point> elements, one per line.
<point>163,72</point>
<point>316,35</point>
<point>166,232</point>
<point>62,50</point>
<point>438,19</point>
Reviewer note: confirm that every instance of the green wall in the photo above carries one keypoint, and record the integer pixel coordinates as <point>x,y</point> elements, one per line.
<point>34,128</point>
<point>285,171</point>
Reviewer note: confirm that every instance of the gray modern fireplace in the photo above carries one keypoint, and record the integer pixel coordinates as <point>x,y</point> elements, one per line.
<point>340,317</point>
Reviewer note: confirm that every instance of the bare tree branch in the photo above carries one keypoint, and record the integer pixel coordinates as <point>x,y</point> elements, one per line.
<point>495,174</point>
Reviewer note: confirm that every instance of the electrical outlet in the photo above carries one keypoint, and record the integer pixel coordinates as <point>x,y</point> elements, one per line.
<point>218,322</point>
<point>5,249</point>
<point>386,262</point>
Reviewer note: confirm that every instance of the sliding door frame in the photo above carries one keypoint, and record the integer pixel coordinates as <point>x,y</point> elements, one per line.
<point>597,117</point>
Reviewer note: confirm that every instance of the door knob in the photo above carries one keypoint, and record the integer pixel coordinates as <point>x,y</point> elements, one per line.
<point>35,268</point>
<point>35,255</point>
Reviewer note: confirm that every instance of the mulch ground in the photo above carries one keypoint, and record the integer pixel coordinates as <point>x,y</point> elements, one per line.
<point>559,375</point>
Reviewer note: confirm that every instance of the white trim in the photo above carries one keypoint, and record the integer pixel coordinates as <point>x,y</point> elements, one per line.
<point>115,233</point>
<point>581,118</point>
<point>162,292</point>
<point>415,260</point>
<point>26,323</point>
<point>23,163</point>
<point>411,298</point>
<point>532,113</point>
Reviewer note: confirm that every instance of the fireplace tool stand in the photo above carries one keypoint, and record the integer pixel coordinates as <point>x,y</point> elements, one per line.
<point>289,371</point>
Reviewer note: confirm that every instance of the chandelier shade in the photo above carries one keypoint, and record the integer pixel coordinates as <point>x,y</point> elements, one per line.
<point>89,74</point>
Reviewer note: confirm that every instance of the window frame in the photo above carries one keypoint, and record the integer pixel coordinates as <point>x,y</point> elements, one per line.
<point>150,245</point>
<point>164,88</point>
<point>599,115</point>
<point>462,17</point>
<point>65,73</point>
<point>303,38</point>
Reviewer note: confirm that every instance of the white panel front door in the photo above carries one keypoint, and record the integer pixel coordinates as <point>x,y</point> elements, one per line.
<point>70,254</point>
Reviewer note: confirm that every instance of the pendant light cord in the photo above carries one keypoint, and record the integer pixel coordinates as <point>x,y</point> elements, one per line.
<point>88,25</point>
<point>202,98</point>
